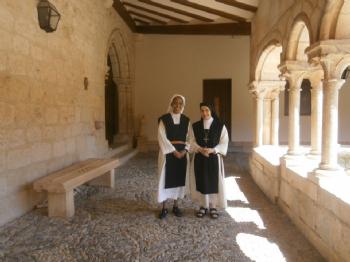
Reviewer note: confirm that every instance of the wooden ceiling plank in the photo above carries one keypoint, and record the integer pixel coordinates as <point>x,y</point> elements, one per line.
<point>243,28</point>
<point>176,10</point>
<point>119,7</point>
<point>210,10</point>
<point>155,12</point>
<point>148,17</point>
<point>237,4</point>
<point>141,21</point>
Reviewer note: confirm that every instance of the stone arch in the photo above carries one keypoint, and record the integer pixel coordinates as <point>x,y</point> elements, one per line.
<point>342,30</point>
<point>333,20</point>
<point>300,36</point>
<point>268,61</point>
<point>274,38</point>
<point>118,52</point>
<point>340,72</point>
<point>342,65</point>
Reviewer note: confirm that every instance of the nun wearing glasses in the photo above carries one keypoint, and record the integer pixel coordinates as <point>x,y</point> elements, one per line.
<point>173,159</point>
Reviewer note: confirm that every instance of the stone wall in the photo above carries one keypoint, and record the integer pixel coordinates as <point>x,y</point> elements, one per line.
<point>319,207</point>
<point>47,116</point>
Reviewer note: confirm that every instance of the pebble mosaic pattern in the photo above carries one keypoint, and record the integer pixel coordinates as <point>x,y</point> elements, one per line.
<point>122,225</point>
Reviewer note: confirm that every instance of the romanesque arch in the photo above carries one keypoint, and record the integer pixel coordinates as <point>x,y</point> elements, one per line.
<point>269,59</point>
<point>300,36</point>
<point>119,55</point>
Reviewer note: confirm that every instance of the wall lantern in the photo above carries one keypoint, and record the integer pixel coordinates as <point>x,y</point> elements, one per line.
<point>48,16</point>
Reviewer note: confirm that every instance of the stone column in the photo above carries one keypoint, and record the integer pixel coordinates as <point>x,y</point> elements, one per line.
<point>294,114</point>
<point>259,117</point>
<point>316,115</point>
<point>267,121</point>
<point>275,118</point>
<point>122,108</point>
<point>329,159</point>
<point>130,112</point>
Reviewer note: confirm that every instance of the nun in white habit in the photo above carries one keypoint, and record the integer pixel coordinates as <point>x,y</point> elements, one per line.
<point>173,159</point>
<point>209,145</point>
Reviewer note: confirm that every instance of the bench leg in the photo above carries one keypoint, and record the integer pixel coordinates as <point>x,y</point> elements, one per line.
<point>61,204</point>
<point>106,180</point>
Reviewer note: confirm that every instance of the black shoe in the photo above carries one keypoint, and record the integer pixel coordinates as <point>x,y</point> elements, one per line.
<point>163,213</point>
<point>177,212</point>
<point>213,213</point>
<point>201,212</point>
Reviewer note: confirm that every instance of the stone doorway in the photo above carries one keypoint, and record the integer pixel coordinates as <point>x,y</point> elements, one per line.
<point>111,106</point>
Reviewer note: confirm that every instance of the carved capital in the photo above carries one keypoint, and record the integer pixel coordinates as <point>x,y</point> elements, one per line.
<point>294,72</point>
<point>266,89</point>
<point>316,78</point>
<point>333,84</point>
<point>332,55</point>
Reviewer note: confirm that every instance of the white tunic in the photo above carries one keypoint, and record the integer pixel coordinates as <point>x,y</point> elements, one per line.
<point>165,148</point>
<point>219,199</point>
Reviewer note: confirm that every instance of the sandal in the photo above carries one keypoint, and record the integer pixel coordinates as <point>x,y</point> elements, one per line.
<point>177,212</point>
<point>163,213</point>
<point>201,212</point>
<point>213,213</point>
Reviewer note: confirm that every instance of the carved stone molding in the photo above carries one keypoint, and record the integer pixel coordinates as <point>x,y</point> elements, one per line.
<point>265,89</point>
<point>332,55</point>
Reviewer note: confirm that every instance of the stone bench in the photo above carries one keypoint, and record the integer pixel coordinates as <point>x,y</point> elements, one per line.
<point>60,184</point>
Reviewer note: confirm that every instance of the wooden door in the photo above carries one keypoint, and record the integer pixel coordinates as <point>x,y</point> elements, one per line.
<point>218,93</point>
<point>111,107</point>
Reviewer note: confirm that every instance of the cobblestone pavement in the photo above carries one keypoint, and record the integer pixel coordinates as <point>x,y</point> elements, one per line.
<point>122,225</point>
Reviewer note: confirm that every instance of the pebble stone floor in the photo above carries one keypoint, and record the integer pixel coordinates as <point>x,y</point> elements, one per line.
<point>122,225</point>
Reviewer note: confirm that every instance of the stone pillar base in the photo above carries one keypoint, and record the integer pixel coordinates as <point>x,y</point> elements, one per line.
<point>317,175</point>
<point>295,152</point>
<point>330,167</point>
<point>314,155</point>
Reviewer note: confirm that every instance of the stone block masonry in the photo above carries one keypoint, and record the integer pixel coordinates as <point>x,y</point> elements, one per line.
<point>47,117</point>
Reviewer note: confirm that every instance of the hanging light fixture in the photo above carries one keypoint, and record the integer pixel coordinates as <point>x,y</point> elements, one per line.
<point>48,16</point>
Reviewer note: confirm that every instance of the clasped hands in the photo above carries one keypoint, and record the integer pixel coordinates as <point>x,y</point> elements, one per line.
<point>179,154</point>
<point>206,151</point>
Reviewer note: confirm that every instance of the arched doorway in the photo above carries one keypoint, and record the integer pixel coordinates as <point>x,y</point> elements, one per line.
<point>111,106</point>
<point>118,92</point>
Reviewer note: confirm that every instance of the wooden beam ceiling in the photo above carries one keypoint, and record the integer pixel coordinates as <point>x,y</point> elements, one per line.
<point>237,4</point>
<point>119,7</point>
<point>176,10</point>
<point>200,29</point>
<point>155,13</point>
<point>187,16</point>
<point>210,10</point>
<point>162,22</point>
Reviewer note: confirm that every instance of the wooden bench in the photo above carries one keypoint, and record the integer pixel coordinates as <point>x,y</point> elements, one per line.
<point>60,184</point>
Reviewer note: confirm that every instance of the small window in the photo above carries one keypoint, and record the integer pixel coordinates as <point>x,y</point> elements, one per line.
<point>305,99</point>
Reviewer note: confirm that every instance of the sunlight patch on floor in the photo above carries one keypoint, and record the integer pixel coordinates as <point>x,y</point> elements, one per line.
<point>259,249</point>
<point>242,214</point>
<point>233,192</point>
